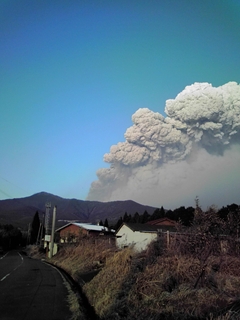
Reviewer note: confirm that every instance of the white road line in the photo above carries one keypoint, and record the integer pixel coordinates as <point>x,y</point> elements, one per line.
<point>3,256</point>
<point>20,263</point>
<point>20,256</point>
<point>13,269</point>
<point>5,277</point>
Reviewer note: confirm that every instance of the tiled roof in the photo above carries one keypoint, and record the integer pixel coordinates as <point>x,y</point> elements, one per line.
<point>161,220</point>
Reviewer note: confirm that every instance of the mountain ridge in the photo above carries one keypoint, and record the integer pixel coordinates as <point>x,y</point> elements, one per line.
<point>20,211</point>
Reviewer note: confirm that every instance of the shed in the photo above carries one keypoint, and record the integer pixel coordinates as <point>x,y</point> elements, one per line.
<point>136,234</point>
<point>72,231</point>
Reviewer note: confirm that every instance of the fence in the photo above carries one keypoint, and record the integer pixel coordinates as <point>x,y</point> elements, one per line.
<point>185,242</point>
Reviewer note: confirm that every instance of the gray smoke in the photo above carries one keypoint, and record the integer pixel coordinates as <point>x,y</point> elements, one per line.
<point>194,151</point>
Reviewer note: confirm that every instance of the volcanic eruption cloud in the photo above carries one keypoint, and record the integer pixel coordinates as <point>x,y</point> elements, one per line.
<point>168,161</point>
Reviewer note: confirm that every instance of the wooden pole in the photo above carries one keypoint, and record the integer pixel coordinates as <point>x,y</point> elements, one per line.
<point>168,239</point>
<point>53,231</point>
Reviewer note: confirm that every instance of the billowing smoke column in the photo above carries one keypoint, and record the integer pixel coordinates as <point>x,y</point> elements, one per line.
<point>194,151</point>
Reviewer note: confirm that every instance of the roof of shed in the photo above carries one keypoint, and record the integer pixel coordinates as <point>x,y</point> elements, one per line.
<point>87,226</point>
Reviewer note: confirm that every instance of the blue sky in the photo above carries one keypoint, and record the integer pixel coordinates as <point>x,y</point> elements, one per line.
<point>72,74</point>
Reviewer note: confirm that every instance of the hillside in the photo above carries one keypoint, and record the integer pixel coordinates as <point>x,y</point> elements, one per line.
<point>19,212</point>
<point>194,275</point>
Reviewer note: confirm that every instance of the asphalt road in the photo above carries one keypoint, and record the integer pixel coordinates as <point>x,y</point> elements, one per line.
<point>31,290</point>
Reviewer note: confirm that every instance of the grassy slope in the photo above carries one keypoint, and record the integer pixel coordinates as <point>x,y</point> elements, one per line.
<point>153,284</point>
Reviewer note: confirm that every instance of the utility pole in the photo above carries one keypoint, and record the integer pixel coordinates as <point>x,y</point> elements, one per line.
<point>29,233</point>
<point>53,231</point>
<point>47,218</point>
<point>41,236</point>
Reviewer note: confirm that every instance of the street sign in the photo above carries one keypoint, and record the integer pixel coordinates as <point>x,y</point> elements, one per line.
<point>47,238</point>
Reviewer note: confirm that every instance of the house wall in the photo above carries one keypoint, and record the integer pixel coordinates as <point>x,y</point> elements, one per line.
<point>140,240</point>
<point>72,230</point>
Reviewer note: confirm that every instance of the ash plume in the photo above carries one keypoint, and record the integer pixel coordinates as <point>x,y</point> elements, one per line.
<point>168,161</point>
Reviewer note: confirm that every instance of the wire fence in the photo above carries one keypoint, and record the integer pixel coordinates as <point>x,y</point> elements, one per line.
<point>185,242</point>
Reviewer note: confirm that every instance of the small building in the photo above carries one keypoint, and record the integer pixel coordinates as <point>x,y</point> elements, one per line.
<point>136,234</point>
<point>71,232</point>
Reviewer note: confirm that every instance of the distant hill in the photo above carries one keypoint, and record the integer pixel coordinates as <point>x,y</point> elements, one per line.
<point>19,212</point>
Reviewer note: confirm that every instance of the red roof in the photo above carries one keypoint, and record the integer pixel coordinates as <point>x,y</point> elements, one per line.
<point>162,222</point>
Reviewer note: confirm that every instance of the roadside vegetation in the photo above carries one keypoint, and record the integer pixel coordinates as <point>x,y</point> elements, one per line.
<point>11,237</point>
<point>194,276</point>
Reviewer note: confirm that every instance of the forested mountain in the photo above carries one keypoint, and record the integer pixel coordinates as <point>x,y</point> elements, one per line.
<point>19,212</point>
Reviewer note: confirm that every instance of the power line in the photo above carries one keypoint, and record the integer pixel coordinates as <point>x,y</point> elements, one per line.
<point>6,194</point>
<point>11,183</point>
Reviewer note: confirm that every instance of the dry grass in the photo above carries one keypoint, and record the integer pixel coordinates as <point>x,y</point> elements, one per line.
<point>34,251</point>
<point>82,257</point>
<point>104,289</point>
<point>165,287</point>
<point>154,285</point>
<point>168,287</point>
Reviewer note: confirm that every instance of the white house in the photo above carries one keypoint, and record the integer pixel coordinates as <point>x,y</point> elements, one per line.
<point>137,234</point>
